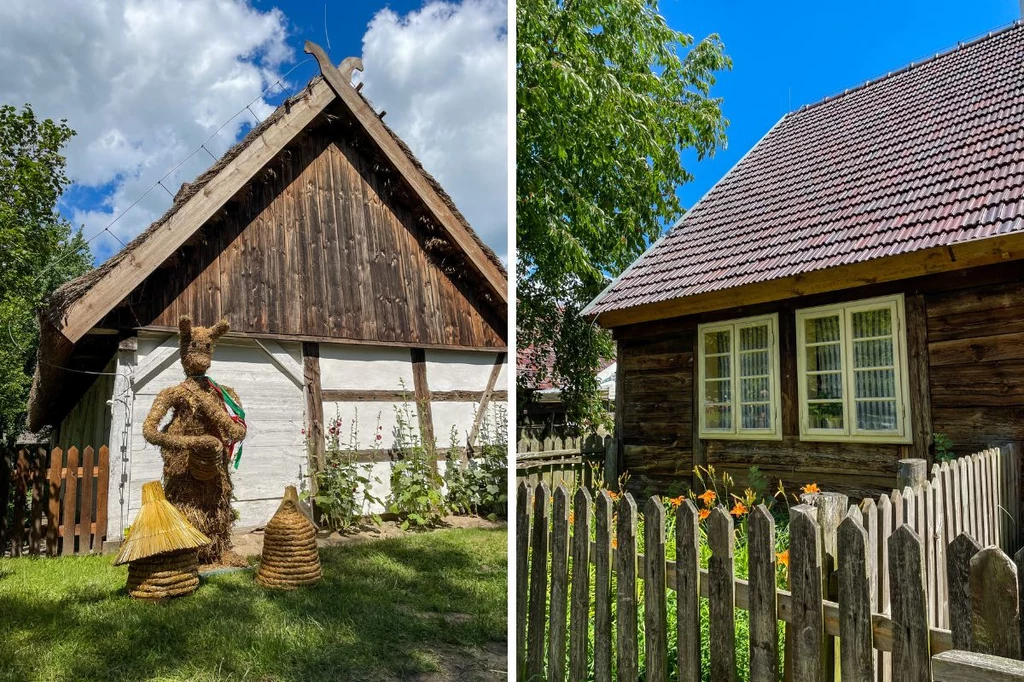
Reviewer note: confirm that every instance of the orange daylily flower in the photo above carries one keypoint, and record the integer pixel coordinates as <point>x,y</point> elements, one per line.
<point>572,517</point>
<point>783,558</point>
<point>615,543</point>
<point>708,497</point>
<point>739,509</point>
<point>704,513</point>
<point>676,501</point>
<point>810,488</point>
<point>614,495</point>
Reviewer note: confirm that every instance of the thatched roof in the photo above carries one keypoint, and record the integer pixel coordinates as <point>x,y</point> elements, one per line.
<point>64,297</point>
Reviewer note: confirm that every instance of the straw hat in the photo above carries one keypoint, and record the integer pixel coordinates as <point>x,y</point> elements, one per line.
<point>162,549</point>
<point>290,556</point>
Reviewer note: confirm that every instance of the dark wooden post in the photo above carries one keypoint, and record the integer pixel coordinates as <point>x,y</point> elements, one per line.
<point>314,410</point>
<point>911,473</point>
<point>831,510</point>
<point>423,411</point>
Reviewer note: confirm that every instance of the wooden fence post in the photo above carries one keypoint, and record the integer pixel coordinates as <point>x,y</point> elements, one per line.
<point>522,570</point>
<point>625,567</point>
<point>805,561</point>
<point>559,584</point>
<point>832,509</point>
<point>38,493</point>
<point>995,604</point>
<point>70,502</point>
<point>538,583</point>
<point>764,635</point>
<point>855,654</point>
<point>910,649</point>
<point>21,477</point>
<point>911,473</point>
<point>688,592</point>
<point>958,574</point>
<point>579,614</point>
<point>602,587</point>
<point>53,503</point>
<point>722,595</point>
<point>655,611</point>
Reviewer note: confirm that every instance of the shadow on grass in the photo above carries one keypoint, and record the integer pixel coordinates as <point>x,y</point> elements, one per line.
<point>378,614</point>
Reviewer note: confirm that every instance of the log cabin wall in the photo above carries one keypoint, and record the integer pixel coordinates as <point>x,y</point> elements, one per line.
<point>319,246</point>
<point>976,349</point>
<point>965,366</point>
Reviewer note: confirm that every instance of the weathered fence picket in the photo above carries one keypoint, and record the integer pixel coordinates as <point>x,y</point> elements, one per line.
<point>59,502</point>
<point>906,566</point>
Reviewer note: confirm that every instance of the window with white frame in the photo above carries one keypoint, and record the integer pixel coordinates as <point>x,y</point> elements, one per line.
<point>852,364</point>
<point>738,363</point>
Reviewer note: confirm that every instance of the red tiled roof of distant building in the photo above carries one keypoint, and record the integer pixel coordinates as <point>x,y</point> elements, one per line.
<point>932,155</point>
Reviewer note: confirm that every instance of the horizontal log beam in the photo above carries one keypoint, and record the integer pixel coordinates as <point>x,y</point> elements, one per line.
<point>359,396</point>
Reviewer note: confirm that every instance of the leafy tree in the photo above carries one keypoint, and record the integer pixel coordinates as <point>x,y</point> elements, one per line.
<point>38,250</point>
<point>608,96</point>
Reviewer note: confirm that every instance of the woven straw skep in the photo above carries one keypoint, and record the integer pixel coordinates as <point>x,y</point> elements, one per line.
<point>158,528</point>
<point>290,556</point>
<point>162,551</point>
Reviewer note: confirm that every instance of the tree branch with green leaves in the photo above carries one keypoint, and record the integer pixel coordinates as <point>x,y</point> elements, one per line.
<point>608,97</point>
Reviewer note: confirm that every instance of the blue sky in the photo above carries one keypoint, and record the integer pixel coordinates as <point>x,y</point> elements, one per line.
<point>145,84</point>
<point>786,55</point>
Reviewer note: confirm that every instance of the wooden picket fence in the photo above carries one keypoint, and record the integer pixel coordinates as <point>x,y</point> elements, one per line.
<point>569,460</point>
<point>555,611</point>
<point>60,502</point>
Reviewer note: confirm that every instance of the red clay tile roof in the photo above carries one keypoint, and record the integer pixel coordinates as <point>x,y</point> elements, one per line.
<point>930,155</point>
<point>533,363</point>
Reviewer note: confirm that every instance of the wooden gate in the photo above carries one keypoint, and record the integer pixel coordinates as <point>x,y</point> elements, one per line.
<point>59,502</point>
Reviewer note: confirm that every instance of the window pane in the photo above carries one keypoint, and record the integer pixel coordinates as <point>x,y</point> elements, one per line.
<point>756,416</point>
<point>718,391</point>
<point>824,358</point>
<point>754,338</point>
<point>716,342</point>
<point>876,415</point>
<point>875,353</point>
<point>872,323</point>
<point>826,415</point>
<point>755,390</point>
<point>754,363</point>
<point>875,383</point>
<point>718,416</point>
<point>820,329</point>
<point>717,368</point>
<point>825,386</point>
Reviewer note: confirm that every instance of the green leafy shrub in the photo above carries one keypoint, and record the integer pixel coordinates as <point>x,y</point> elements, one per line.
<point>417,494</point>
<point>344,489</point>
<point>480,486</point>
<point>943,447</point>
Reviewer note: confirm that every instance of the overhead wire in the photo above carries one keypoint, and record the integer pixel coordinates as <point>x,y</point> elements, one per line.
<point>57,260</point>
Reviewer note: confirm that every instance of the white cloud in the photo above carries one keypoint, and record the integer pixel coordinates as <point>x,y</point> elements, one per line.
<point>440,73</point>
<point>144,83</point>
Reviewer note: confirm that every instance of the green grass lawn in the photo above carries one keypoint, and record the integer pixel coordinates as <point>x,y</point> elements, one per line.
<point>386,609</point>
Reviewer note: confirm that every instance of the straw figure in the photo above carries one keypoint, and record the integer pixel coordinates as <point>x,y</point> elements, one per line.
<point>162,549</point>
<point>198,443</point>
<point>290,556</point>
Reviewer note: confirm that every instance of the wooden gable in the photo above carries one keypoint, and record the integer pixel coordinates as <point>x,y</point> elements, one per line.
<point>323,243</point>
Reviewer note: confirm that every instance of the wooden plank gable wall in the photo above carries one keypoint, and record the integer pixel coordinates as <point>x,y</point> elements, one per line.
<point>319,248</point>
<point>965,367</point>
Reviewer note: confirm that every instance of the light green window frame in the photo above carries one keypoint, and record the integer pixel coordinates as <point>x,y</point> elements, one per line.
<point>852,372</point>
<point>738,379</point>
